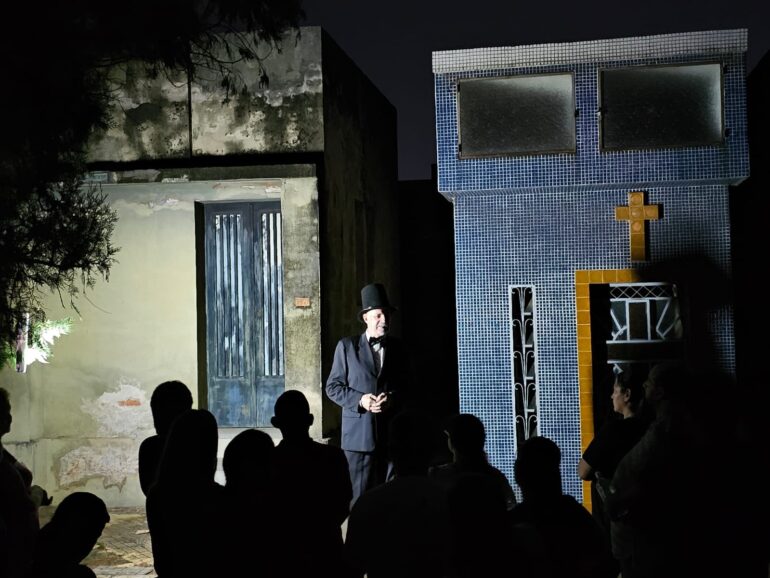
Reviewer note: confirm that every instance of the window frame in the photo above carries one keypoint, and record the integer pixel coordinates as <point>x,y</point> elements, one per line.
<point>469,156</point>
<point>601,114</point>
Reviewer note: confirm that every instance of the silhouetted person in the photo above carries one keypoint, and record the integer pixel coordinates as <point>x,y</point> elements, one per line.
<point>168,401</point>
<point>311,514</point>
<point>717,427</point>
<point>571,541</point>
<point>250,507</point>
<point>247,464</point>
<point>741,531</point>
<point>655,499</point>
<point>185,506</point>
<point>69,537</point>
<point>482,542</point>
<point>465,438</point>
<point>613,442</point>
<point>401,528</point>
<point>18,511</point>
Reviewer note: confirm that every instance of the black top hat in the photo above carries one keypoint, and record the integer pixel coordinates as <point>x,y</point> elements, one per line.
<point>373,296</point>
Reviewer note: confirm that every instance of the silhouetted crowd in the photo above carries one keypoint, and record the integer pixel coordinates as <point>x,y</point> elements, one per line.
<point>666,502</point>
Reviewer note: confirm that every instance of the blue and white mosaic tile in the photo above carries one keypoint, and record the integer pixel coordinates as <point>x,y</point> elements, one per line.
<point>535,220</point>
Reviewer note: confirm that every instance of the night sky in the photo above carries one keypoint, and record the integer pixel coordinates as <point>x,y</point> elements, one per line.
<point>392,42</point>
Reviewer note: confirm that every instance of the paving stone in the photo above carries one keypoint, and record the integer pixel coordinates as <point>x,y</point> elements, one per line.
<point>124,548</point>
<point>118,571</point>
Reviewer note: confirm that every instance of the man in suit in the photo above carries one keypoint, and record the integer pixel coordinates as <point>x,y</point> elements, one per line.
<point>368,380</point>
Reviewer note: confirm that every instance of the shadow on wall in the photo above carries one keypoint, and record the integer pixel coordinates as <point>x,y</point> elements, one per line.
<point>704,289</point>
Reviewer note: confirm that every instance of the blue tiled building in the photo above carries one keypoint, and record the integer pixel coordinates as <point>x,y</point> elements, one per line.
<point>580,173</point>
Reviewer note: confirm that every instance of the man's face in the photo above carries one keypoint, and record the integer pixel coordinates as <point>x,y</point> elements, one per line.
<point>377,321</point>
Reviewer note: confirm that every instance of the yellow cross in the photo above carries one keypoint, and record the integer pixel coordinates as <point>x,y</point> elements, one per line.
<point>637,214</point>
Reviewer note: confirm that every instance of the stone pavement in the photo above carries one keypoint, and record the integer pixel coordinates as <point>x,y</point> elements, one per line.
<point>124,548</point>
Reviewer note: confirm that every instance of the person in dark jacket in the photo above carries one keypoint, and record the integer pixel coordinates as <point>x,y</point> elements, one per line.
<point>368,380</point>
<point>168,401</point>
<point>308,517</point>
<point>571,542</point>
<point>185,506</point>
<point>466,437</point>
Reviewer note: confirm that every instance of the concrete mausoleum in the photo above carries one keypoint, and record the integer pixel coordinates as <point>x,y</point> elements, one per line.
<point>246,231</point>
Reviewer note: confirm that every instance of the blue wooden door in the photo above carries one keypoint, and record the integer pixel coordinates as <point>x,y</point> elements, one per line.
<point>244,311</point>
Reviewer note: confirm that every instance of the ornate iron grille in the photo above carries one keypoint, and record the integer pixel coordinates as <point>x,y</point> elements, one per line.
<point>646,323</point>
<point>523,361</point>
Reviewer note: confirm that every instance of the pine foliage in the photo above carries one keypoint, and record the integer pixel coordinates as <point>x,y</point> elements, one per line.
<point>55,232</point>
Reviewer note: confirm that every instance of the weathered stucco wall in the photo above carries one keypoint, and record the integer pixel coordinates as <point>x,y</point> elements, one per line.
<point>78,421</point>
<point>302,293</point>
<point>279,109</point>
<point>358,205</point>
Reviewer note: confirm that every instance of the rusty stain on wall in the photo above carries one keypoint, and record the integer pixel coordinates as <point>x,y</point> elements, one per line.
<point>129,402</point>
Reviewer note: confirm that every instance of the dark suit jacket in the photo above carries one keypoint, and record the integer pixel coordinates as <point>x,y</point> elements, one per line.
<point>353,374</point>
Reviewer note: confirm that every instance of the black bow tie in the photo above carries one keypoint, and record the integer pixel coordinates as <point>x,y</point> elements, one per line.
<point>376,340</point>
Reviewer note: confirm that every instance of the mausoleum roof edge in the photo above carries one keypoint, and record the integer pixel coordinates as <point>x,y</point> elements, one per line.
<point>631,48</point>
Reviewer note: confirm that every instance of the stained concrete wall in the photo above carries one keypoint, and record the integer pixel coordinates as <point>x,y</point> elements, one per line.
<point>359,204</point>
<point>278,109</point>
<point>302,284</point>
<point>79,420</point>
<point>149,118</point>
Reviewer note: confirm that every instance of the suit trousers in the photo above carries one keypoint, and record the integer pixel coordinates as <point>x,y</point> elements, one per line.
<point>367,470</point>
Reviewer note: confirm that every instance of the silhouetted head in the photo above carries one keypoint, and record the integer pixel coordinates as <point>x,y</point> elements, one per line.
<point>74,528</point>
<point>466,436</point>
<point>168,400</point>
<point>537,468</point>
<point>666,381</point>
<point>190,453</point>
<point>292,413</point>
<point>5,412</point>
<point>246,462</point>
<point>411,443</point>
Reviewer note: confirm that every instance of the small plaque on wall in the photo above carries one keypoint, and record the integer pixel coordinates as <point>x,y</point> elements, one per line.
<point>302,302</point>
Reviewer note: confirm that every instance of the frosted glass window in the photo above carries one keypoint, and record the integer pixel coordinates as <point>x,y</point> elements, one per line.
<point>518,115</point>
<point>661,106</point>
